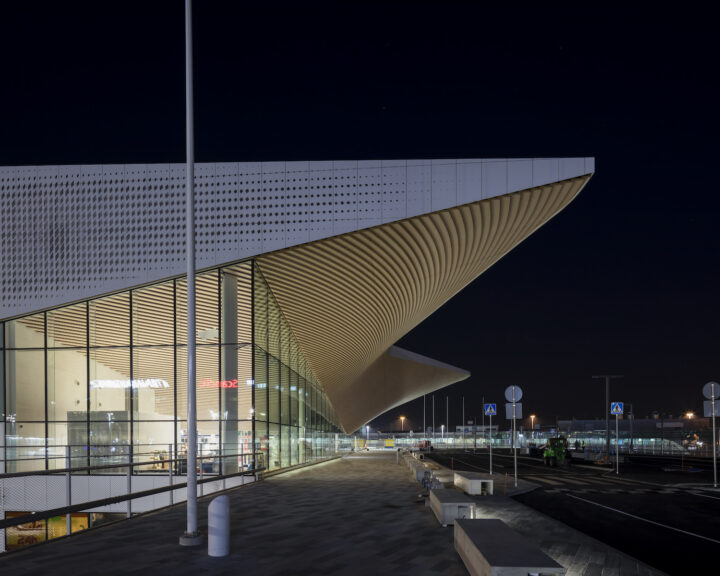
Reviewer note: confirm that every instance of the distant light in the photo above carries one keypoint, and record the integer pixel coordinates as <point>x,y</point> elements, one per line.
<point>690,415</point>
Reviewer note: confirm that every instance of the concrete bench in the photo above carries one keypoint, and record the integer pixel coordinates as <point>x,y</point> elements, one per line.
<point>492,548</point>
<point>474,482</point>
<point>443,476</point>
<point>450,505</point>
<point>419,472</point>
<point>418,469</point>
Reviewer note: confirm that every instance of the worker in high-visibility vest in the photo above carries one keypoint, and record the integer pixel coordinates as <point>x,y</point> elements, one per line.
<point>549,455</point>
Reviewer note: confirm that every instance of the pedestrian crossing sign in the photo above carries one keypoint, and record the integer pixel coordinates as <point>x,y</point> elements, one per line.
<point>490,409</point>
<point>616,408</point>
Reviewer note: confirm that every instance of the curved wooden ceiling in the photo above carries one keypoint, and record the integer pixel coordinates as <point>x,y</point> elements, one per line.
<point>349,298</point>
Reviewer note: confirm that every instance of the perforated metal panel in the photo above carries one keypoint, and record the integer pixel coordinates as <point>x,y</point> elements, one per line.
<point>74,232</point>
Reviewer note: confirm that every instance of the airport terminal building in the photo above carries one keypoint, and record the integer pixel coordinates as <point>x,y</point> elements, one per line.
<point>307,275</point>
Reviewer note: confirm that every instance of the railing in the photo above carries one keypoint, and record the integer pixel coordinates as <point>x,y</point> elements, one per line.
<point>106,492</point>
<point>88,487</point>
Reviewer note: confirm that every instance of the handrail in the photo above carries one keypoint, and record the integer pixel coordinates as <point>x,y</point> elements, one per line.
<point>114,466</point>
<point>45,514</point>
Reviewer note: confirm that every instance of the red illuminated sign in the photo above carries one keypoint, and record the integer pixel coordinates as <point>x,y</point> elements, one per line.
<point>207,383</point>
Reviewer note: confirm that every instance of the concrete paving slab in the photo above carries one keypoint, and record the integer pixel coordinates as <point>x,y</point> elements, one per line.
<point>356,515</point>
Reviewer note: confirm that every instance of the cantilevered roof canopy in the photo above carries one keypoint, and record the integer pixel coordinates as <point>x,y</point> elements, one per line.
<point>349,298</point>
<point>398,376</point>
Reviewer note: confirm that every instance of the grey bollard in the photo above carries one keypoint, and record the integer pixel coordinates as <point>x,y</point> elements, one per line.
<point>219,526</point>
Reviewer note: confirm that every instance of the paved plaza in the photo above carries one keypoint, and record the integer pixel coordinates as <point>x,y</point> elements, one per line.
<point>360,514</point>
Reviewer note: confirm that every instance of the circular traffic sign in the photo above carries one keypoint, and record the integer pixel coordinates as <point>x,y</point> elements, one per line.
<point>711,390</point>
<point>513,393</point>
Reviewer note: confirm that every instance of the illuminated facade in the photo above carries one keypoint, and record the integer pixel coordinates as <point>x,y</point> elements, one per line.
<point>308,273</point>
<point>108,375</point>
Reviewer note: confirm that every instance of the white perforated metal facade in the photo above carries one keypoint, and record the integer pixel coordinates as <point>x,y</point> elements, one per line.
<point>74,232</point>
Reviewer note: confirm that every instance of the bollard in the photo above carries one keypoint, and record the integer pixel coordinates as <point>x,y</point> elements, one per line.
<point>219,526</point>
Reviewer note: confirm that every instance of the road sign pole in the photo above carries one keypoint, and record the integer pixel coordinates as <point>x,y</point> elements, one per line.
<point>710,391</point>
<point>714,440</point>
<point>490,445</point>
<point>514,439</point>
<point>617,451</point>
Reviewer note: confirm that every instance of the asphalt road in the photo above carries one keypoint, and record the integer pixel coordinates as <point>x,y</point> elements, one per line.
<point>669,518</point>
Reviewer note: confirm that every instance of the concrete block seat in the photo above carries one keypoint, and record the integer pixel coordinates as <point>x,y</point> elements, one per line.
<point>443,476</point>
<point>474,482</point>
<point>419,472</point>
<point>491,548</point>
<point>450,505</point>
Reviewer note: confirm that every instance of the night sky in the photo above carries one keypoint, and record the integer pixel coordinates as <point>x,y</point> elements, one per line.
<point>624,281</point>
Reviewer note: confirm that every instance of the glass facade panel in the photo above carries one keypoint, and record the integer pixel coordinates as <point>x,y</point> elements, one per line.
<point>25,446</point>
<point>207,309</point>
<point>27,332</point>
<point>150,440</point>
<point>67,327</point>
<point>209,437</point>
<point>273,388</point>
<point>273,447</point>
<point>285,447</point>
<point>261,385</point>
<point>153,315</point>
<point>245,445</point>
<point>284,394</point>
<point>73,434</point>
<point>109,383</point>
<point>245,383</point>
<point>108,378</point>
<point>294,455</point>
<point>294,398</point>
<point>25,385</point>
<point>109,320</point>
<point>66,383</point>
<point>154,383</point>
<point>261,443</point>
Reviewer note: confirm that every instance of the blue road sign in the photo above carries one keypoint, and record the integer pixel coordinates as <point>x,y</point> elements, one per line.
<point>616,408</point>
<point>490,409</point>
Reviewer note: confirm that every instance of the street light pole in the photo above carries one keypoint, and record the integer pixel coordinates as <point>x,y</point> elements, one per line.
<point>607,408</point>
<point>191,537</point>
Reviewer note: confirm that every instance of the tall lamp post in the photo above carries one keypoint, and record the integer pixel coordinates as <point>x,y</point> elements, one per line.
<point>192,536</point>
<point>402,423</point>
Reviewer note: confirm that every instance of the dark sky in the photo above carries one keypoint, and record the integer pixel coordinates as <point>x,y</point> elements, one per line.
<point>624,281</point>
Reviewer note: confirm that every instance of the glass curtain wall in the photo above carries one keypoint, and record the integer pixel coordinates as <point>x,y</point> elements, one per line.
<point>107,377</point>
<point>292,424</point>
